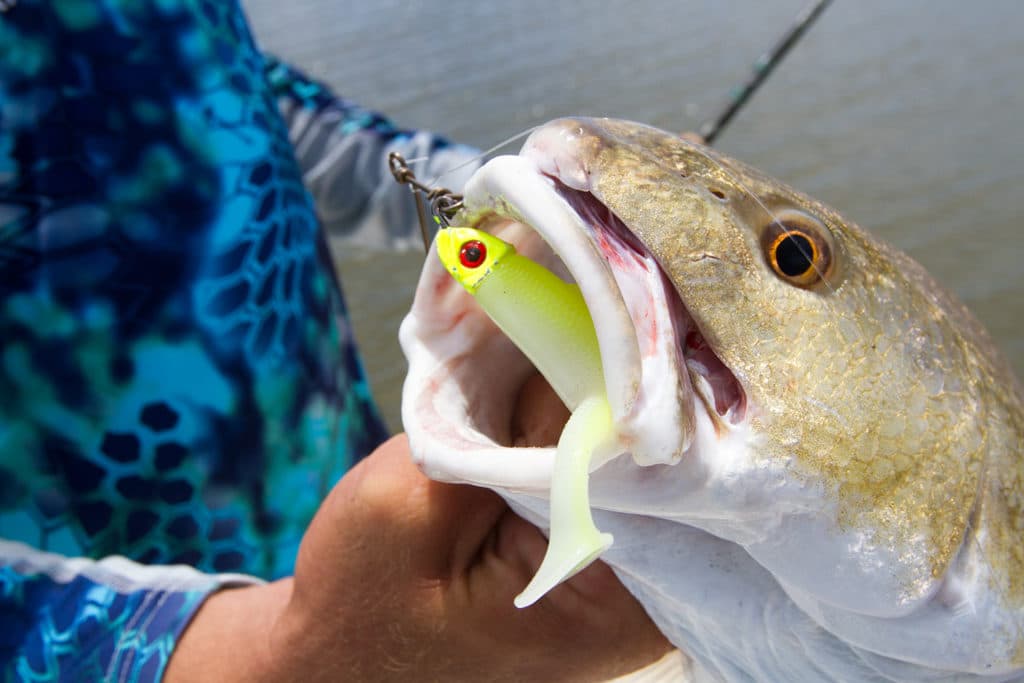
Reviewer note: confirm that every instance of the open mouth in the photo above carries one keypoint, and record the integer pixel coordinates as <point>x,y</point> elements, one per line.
<point>660,320</point>
<point>663,380</point>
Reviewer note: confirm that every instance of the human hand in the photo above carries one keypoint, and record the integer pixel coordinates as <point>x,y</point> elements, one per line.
<point>403,578</point>
<point>421,576</point>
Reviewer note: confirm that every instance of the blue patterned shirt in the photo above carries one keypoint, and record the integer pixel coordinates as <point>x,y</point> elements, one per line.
<point>176,394</point>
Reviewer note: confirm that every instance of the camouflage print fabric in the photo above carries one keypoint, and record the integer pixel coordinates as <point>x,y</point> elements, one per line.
<point>177,380</point>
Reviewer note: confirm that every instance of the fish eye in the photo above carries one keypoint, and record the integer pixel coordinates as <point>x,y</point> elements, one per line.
<point>472,254</point>
<point>797,250</point>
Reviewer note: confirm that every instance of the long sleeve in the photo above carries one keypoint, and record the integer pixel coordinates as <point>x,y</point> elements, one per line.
<point>177,382</point>
<point>178,385</point>
<point>343,151</point>
<point>67,619</point>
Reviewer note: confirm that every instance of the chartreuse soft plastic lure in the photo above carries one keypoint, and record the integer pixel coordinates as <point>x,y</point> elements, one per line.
<point>548,320</point>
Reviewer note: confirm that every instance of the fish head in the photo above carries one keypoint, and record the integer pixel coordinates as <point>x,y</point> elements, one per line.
<point>804,416</point>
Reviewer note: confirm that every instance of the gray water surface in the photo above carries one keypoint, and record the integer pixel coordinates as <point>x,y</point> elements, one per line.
<point>905,115</point>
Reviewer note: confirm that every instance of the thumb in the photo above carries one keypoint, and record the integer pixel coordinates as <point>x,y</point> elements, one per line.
<point>440,526</point>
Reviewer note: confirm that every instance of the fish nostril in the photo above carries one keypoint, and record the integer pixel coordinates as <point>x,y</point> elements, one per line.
<point>718,193</point>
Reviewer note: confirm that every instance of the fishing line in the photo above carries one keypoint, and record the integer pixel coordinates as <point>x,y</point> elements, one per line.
<point>472,160</point>
<point>774,217</point>
<point>444,203</point>
<point>762,68</point>
<point>486,152</point>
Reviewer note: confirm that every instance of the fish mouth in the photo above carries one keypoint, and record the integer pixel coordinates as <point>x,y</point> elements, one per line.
<point>669,392</point>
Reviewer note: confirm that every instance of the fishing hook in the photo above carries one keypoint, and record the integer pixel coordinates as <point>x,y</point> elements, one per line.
<point>444,203</point>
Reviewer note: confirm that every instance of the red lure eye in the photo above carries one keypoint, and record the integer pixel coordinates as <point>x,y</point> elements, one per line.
<point>472,254</point>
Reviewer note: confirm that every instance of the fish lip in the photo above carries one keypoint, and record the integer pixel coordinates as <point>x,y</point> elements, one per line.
<point>628,295</point>
<point>558,150</point>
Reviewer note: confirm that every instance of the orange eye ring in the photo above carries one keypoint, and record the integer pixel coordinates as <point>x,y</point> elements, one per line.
<point>798,254</point>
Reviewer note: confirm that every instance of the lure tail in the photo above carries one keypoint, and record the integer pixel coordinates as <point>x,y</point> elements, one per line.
<point>575,541</point>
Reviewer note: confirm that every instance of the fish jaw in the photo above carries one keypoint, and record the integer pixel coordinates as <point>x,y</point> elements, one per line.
<point>464,374</point>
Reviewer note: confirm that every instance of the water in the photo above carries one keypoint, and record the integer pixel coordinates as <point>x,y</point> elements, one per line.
<point>906,116</point>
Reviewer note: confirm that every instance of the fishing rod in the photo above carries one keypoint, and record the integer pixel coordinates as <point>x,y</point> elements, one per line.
<point>444,203</point>
<point>763,67</point>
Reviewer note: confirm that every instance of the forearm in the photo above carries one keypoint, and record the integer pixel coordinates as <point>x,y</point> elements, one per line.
<point>231,637</point>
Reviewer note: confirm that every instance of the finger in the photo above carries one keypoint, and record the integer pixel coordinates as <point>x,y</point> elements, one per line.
<point>592,602</point>
<point>520,548</point>
<point>439,526</point>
